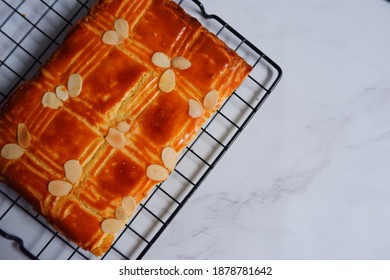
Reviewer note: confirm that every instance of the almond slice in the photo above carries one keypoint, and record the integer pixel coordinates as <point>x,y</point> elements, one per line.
<point>156,172</point>
<point>112,38</point>
<point>75,84</point>
<point>116,138</point>
<point>62,93</point>
<point>181,63</point>
<point>195,109</point>
<point>160,59</point>
<point>129,204</point>
<point>24,137</point>
<point>51,100</point>
<point>12,151</point>
<point>169,158</point>
<point>123,127</point>
<point>210,100</point>
<point>122,27</point>
<point>59,188</point>
<point>111,226</point>
<point>121,214</point>
<point>73,171</point>
<point>167,81</point>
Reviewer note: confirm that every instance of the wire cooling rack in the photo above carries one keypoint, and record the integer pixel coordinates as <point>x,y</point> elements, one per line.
<point>29,32</point>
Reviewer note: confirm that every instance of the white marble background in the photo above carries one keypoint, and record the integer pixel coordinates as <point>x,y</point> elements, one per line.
<point>310,176</point>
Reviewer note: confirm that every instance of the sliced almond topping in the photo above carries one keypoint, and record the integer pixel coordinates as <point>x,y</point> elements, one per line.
<point>181,63</point>
<point>24,137</point>
<point>75,84</point>
<point>12,151</point>
<point>111,226</point>
<point>129,204</point>
<point>121,214</point>
<point>116,138</point>
<point>210,100</point>
<point>123,127</point>
<point>73,171</point>
<point>167,81</point>
<point>62,93</point>
<point>169,158</point>
<point>112,38</point>
<point>156,172</point>
<point>122,27</point>
<point>195,109</point>
<point>51,100</point>
<point>160,59</point>
<point>59,188</point>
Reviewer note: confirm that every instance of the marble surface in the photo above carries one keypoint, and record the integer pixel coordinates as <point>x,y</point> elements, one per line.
<point>309,178</point>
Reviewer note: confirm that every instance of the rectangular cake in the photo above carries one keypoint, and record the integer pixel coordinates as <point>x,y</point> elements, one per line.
<point>106,117</point>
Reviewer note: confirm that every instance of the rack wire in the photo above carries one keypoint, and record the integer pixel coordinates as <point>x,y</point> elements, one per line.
<point>29,32</point>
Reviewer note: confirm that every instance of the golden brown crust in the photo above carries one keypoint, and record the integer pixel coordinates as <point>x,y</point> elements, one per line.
<point>120,83</point>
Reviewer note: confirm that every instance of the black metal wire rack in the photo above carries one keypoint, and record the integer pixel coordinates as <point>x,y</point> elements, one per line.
<point>29,32</point>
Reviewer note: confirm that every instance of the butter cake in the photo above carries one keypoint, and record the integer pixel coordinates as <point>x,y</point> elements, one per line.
<point>105,118</point>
